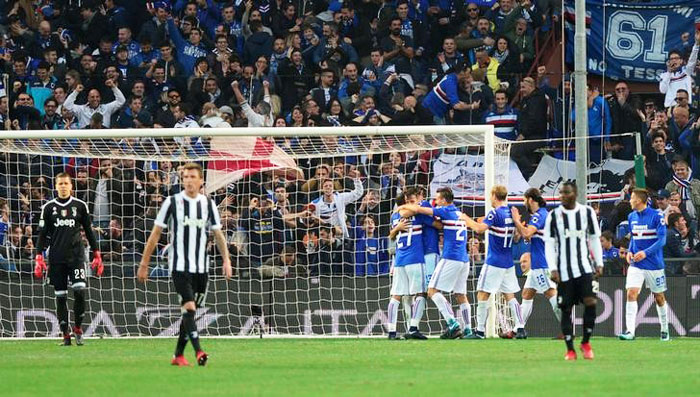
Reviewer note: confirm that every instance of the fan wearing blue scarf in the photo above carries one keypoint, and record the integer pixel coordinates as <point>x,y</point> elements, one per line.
<point>686,186</point>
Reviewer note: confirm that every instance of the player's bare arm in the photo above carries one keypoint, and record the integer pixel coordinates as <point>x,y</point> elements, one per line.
<point>151,244</point>
<point>402,226</point>
<point>478,227</point>
<point>526,231</point>
<point>223,250</point>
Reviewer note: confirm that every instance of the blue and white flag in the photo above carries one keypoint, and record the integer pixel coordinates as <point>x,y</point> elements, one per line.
<point>631,41</point>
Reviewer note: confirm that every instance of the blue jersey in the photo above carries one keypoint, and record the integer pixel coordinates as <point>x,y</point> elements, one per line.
<point>443,96</point>
<point>500,223</point>
<point>537,240</point>
<point>431,238</point>
<point>612,253</point>
<point>409,244</point>
<point>454,245</point>
<point>648,229</point>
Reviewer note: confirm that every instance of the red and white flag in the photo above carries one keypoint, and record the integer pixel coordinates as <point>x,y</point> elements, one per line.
<point>238,157</point>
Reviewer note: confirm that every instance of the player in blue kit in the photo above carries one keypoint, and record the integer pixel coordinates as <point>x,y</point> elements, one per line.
<point>645,256</point>
<point>538,280</point>
<point>498,272</point>
<point>453,267</point>
<point>409,272</point>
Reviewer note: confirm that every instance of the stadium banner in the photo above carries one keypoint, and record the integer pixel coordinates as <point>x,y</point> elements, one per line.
<point>605,180</point>
<point>465,175</point>
<point>631,40</point>
<point>314,306</point>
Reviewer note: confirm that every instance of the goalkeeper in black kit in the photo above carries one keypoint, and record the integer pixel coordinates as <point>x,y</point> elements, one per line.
<point>59,232</point>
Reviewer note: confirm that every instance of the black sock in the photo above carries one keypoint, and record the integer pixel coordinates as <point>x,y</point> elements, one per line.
<point>79,307</point>
<point>588,322</point>
<point>567,328</point>
<point>191,329</point>
<point>412,329</point>
<point>181,340</point>
<point>62,313</point>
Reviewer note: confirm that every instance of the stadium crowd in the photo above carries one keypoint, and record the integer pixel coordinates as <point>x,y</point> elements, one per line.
<point>75,64</point>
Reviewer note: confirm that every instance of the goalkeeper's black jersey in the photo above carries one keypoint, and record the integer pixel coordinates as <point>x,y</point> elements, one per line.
<point>59,229</point>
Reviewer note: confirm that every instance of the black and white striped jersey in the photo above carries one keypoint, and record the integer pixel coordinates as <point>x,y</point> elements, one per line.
<point>189,221</point>
<point>570,237</point>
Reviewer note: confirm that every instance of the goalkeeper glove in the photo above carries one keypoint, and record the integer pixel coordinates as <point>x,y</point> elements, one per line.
<point>97,263</point>
<point>40,266</point>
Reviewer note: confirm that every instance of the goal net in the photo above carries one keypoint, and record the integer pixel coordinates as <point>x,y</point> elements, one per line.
<point>302,265</point>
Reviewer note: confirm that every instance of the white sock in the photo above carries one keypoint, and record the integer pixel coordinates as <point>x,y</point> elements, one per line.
<point>482,312</point>
<point>526,307</point>
<point>516,313</point>
<point>406,303</point>
<point>555,307</point>
<point>465,310</point>
<point>444,306</point>
<point>418,309</point>
<point>631,316</point>
<point>393,313</point>
<point>662,311</point>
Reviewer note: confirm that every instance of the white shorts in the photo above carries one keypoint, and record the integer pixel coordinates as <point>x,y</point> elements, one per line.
<point>655,279</point>
<point>408,280</point>
<point>430,263</point>
<point>494,279</point>
<point>538,279</point>
<point>450,276</point>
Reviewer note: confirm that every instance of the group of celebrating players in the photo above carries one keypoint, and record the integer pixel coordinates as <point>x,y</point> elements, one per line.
<point>564,259</point>
<point>562,242</point>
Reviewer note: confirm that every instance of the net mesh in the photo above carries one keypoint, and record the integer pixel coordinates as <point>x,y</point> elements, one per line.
<point>296,271</point>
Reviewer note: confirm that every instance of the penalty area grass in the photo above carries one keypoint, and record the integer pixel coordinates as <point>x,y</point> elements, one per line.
<point>284,367</point>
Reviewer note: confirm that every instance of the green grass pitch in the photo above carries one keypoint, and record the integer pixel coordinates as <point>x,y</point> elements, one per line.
<point>355,367</point>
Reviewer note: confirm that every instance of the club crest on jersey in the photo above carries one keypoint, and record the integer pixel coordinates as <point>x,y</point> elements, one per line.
<point>74,211</point>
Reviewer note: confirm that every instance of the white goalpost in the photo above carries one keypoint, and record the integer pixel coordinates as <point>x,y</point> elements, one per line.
<point>298,270</point>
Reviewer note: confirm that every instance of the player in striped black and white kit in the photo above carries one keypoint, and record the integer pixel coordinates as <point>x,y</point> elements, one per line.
<point>571,232</point>
<point>189,215</point>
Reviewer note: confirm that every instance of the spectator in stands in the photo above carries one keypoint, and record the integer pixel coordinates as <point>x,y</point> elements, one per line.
<point>283,265</point>
<point>658,162</point>
<point>489,67</point>
<point>398,48</point>
<point>113,242</point>
<point>687,187</point>
<point>609,250</point>
<point>678,75</point>
<point>262,115</point>
<point>94,105</point>
<point>625,119</point>
<point>330,258</point>
<point>331,206</point>
<point>371,249</point>
<point>533,127</point>
<point>326,91</point>
<point>264,229</point>
<point>503,117</point>
<point>523,44</point>
<point>105,195</point>
<point>188,51</point>
<point>680,243</point>
<point>680,128</point>
<point>599,125</point>
<point>445,97</point>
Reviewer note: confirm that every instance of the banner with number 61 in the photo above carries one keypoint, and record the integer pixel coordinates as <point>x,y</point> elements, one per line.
<point>631,41</point>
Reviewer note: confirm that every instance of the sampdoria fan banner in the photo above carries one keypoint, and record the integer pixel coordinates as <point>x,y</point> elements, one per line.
<point>605,181</point>
<point>244,156</point>
<point>464,174</point>
<point>631,41</point>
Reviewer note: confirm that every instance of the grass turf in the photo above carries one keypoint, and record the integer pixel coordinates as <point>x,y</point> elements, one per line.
<point>350,367</point>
